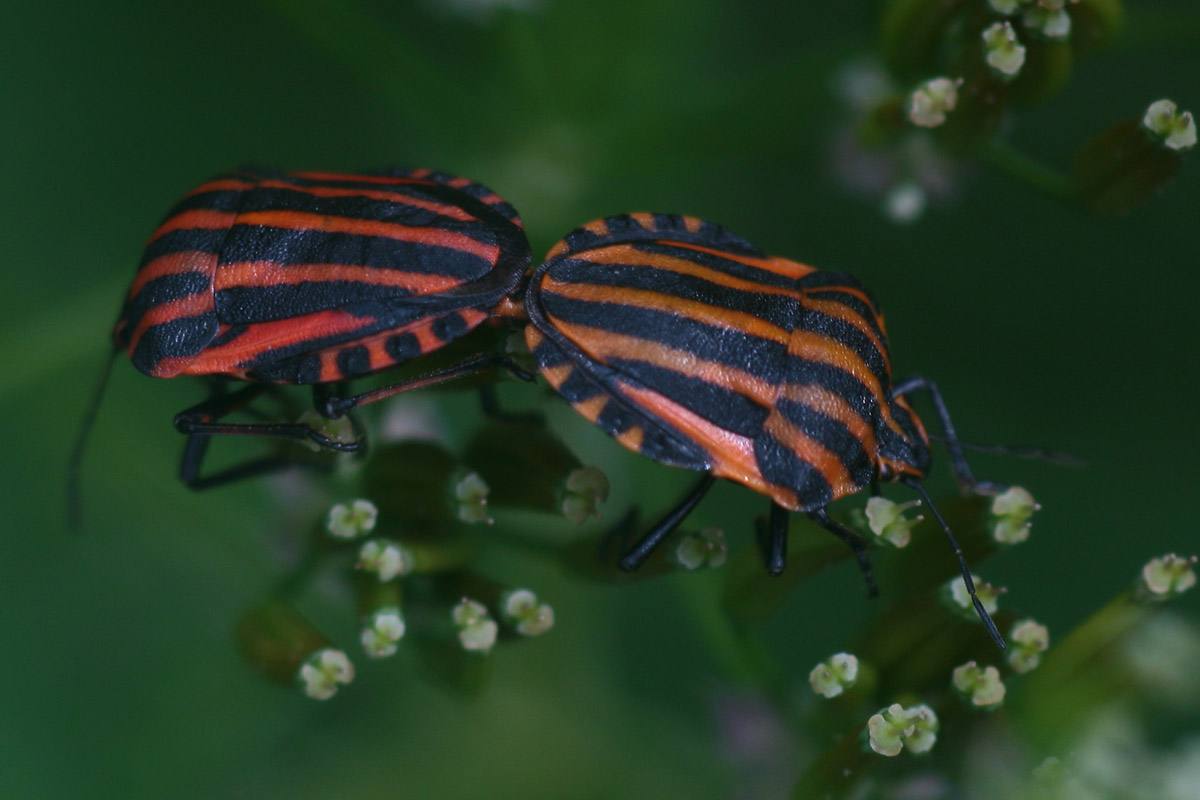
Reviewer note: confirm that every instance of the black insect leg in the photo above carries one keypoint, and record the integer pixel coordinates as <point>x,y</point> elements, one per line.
<point>962,563</point>
<point>201,421</point>
<point>637,555</point>
<point>958,461</point>
<point>197,446</point>
<point>334,406</point>
<point>772,541</point>
<point>490,404</point>
<point>853,540</point>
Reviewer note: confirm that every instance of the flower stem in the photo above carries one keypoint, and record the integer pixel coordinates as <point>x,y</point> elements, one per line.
<point>1019,166</point>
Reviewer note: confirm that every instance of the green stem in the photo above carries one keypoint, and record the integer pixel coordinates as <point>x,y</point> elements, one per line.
<point>1019,166</point>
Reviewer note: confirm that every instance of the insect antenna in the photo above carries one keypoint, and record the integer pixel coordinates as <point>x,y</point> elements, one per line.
<point>74,493</point>
<point>1055,457</point>
<point>962,564</point>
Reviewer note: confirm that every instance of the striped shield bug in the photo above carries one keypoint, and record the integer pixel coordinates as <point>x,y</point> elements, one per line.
<point>691,346</point>
<point>313,278</point>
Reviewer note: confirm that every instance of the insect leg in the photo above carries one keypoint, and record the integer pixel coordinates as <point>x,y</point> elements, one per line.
<point>853,540</point>
<point>962,563</point>
<point>201,421</point>
<point>492,409</point>
<point>958,461</point>
<point>773,541</point>
<point>637,555</point>
<point>333,406</point>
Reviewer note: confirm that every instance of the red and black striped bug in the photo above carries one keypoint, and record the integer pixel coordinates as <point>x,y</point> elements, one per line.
<point>314,278</point>
<point>694,348</point>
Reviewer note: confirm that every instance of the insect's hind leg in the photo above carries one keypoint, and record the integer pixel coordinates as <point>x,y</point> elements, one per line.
<point>202,421</point>
<point>772,540</point>
<point>333,405</point>
<point>853,540</point>
<point>637,555</point>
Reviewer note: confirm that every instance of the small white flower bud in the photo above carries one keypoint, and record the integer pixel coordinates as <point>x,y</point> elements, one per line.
<point>1003,52</point>
<point>325,670</point>
<point>351,522</point>
<point>835,675</point>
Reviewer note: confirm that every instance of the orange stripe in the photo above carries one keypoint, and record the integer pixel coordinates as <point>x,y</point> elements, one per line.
<point>643,219</point>
<point>678,306</point>
<point>834,406</point>
<point>603,346</point>
<point>263,336</point>
<point>172,264</point>
<point>731,455</point>
<point>201,218</point>
<point>189,306</point>
<point>843,312</point>
<point>813,453</point>
<point>628,254</point>
<point>339,176</point>
<point>590,409</point>
<point>303,221</point>
<point>556,376</point>
<point>334,191</point>
<point>633,438</point>
<point>268,273</point>
<point>221,185</point>
<point>780,266</point>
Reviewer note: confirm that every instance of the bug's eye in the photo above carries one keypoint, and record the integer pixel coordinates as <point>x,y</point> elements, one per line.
<point>885,472</point>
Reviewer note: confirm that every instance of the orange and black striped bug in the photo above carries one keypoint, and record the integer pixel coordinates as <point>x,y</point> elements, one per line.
<point>691,346</point>
<point>313,278</point>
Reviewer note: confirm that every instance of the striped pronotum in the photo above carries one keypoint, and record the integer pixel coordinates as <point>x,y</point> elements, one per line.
<point>312,277</point>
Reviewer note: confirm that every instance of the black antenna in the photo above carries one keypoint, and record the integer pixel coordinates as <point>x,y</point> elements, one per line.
<point>962,564</point>
<point>74,494</point>
<point>1056,457</point>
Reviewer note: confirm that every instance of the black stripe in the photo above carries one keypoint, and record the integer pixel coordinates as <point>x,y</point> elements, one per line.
<point>910,449</point>
<point>614,419</point>
<point>178,338</point>
<point>856,305</point>
<point>285,246</point>
<point>852,337</point>
<point>228,336</point>
<point>766,360</point>
<point>353,361</point>
<point>718,405</point>
<point>833,435</point>
<point>305,369</point>
<point>760,357</point>
<point>779,310</point>
<point>782,467</point>
<point>549,355</point>
<point>216,200</point>
<point>578,387</point>
<point>241,305</point>
<point>729,266</point>
<point>449,327</point>
<point>163,289</point>
<point>394,211</point>
<point>181,241</point>
<point>403,346</point>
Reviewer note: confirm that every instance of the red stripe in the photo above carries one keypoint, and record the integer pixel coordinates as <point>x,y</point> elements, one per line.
<point>303,221</point>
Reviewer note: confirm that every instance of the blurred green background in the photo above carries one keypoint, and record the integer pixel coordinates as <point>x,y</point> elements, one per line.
<point>1044,326</point>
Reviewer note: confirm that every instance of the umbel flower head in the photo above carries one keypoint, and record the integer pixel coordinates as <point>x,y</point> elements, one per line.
<point>324,671</point>
<point>980,686</point>
<point>1029,641</point>
<point>1167,577</point>
<point>835,675</point>
<point>896,727</point>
